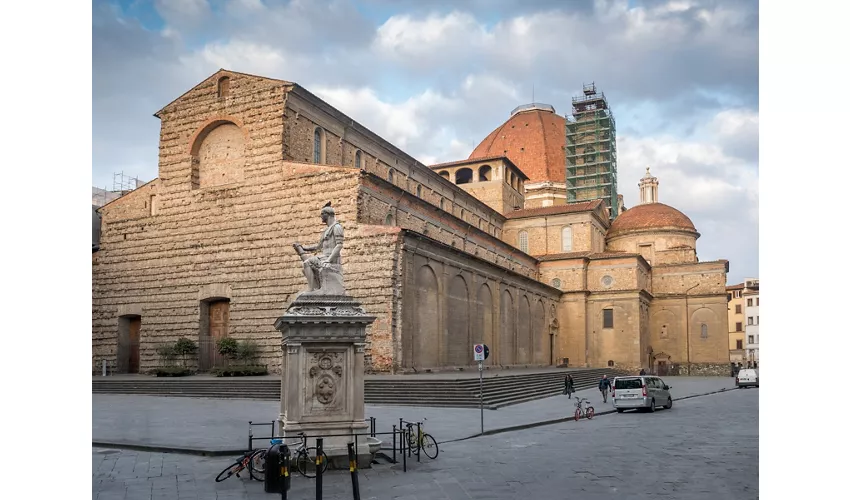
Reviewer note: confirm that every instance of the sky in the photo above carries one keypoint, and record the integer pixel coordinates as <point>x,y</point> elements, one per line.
<point>434,77</point>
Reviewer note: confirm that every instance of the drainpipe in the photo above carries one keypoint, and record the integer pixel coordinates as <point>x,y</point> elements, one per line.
<point>688,326</point>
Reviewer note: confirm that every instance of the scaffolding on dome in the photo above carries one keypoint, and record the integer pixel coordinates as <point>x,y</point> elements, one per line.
<point>591,150</point>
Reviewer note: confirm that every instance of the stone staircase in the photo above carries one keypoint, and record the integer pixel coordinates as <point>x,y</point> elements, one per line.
<point>502,390</point>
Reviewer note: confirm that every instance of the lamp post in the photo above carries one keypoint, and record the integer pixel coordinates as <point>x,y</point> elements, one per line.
<point>688,326</point>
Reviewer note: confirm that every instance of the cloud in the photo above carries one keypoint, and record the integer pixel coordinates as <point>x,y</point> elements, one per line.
<point>434,77</point>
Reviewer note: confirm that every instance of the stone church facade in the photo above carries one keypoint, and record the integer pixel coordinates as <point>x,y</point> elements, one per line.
<point>245,164</point>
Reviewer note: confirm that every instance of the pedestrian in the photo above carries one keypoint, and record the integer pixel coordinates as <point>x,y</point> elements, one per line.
<point>604,387</point>
<point>642,372</point>
<point>569,386</point>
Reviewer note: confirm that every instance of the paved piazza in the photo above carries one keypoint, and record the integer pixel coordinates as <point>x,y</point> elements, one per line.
<point>704,448</point>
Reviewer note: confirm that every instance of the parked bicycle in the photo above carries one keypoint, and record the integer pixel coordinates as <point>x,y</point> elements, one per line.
<point>421,440</point>
<point>305,458</point>
<point>246,461</point>
<point>582,408</point>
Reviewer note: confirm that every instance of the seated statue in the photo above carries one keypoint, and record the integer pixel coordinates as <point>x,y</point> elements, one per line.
<point>324,270</point>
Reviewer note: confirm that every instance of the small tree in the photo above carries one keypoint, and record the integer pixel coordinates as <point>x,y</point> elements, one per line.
<point>167,354</point>
<point>248,351</point>
<point>185,347</point>
<point>228,347</point>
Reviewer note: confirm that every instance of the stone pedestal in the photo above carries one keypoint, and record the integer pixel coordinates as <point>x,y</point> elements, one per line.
<point>324,338</point>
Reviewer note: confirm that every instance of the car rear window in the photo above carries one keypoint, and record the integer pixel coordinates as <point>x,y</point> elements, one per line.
<point>628,383</point>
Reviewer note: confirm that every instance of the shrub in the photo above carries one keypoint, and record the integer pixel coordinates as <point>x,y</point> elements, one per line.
<point>167,353</point>
<point>247,351</point>
<point>185,347</point>
<point>240,371</point>
<point>172,371</point>
<point>228,347</point>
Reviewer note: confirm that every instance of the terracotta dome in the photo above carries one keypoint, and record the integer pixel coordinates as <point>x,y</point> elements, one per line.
<point>651,216</point>
<point>533,138</point>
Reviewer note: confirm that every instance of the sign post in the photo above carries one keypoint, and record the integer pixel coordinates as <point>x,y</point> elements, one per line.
<point>481,352</point>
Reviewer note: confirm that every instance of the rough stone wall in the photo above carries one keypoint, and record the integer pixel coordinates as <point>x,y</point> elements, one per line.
<point>454,300</point>
<point>572,273</point>
<point>572,335</point>
<point>707,278</point>
<point>620,344</point>
<point>624,274</point>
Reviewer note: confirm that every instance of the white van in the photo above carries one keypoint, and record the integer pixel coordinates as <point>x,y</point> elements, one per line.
<point>643,392</point>
<point>748,377</point>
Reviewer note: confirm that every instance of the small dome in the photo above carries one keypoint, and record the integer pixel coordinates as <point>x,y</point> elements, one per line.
<point>651,216</point>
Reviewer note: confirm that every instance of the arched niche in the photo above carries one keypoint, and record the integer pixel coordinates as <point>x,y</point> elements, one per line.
<point>218,154</point>
<point>457,344</point>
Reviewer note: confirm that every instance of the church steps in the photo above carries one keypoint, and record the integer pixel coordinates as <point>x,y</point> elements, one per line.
<point>499,391</point>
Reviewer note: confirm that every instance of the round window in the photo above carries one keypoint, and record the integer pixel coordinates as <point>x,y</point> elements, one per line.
<point>556,283</point>
<point>607,281</point>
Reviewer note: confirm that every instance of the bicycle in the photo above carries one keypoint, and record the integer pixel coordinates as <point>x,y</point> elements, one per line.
<point>305,456</point>
<point>246,461</point>
<point>423,441</point>
<point>587,410</point>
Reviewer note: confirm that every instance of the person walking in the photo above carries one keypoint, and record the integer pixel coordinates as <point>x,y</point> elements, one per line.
<point>569,386</point>
<point>642,372</point>
<point>604,387</point>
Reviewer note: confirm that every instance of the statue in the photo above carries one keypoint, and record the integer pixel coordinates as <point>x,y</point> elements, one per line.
<point>324,270</point>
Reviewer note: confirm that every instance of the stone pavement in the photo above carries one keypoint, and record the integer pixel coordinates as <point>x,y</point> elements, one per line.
<point>218,425</point>
<point>698,450</point>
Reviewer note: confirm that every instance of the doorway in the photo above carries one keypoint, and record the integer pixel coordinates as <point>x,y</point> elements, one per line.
<point>215,322</point>
<point>662,368</point>
<point>129,339</point>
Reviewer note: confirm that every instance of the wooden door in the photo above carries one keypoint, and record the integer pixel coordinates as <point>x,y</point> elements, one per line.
<point>218,322</point>
<point>662,368</point>
<point>135,332</point>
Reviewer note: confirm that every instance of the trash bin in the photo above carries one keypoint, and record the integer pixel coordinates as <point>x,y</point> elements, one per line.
<point>276,459</point>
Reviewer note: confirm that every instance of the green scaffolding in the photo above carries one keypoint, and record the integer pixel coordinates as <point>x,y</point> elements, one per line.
<point>591,150</point>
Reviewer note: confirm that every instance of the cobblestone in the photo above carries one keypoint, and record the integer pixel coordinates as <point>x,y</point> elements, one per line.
<point>697,450</point>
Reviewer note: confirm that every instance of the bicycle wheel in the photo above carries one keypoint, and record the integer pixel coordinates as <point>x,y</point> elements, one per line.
<point>590,412</point>
<point>257,465</point>
<point>429,446</point>
<point>229,471</point>
<point>578,414</point>
<point>305,462</point>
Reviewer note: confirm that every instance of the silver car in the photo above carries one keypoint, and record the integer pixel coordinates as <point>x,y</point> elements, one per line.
<point>642,392</point>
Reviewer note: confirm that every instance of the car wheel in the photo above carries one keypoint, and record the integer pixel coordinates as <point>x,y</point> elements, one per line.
<point>651,406</point>
<point>669,403</point>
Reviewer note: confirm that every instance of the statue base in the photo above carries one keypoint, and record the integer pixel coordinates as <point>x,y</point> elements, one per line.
<point>324,340</point>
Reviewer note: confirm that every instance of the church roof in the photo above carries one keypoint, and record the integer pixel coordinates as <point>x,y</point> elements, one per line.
<point>651,216</point>
<point>584,206</point>
<point>533,138</point>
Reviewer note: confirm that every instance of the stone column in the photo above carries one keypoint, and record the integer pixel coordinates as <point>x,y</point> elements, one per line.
<point>324,338</point>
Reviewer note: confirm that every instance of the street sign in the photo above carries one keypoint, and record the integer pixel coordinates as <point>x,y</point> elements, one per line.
<point>478,352</point>
<point>481,352</point>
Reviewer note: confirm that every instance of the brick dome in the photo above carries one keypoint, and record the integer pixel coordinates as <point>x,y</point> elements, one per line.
<point>651,216</point>
<point>533,138</point>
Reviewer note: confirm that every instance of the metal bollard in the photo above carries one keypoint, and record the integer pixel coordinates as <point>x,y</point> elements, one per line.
<point>104,367</point>
<point>394,445</point>
<point>286,459</point>
<point>251,435</point>
<point>352,467</point>
<point>403,452</point>
<point>418,442</point>
<point>319,455</point>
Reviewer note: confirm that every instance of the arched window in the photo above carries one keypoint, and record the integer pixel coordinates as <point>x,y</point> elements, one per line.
<point>318,145</point>
<point>556,283</point>
<point>589,154</point>
<point>445,174</point>
<point>442,203</point>
<point>463,176</point>
<point>358,158</point>
<point>523,241</point>
<point>484,173</point>
<point>567,239</point>
<point>419,190</point>
<point>390,176</point>
<point>389,220</point>
<point>223,86</point>
<point>703,331</point>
